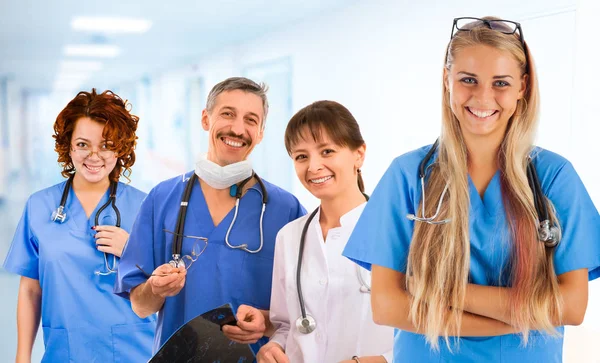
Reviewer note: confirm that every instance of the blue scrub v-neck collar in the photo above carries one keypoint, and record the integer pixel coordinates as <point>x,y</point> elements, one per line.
<point>76,214</point>
<point>492,196</point>
<point>197,190</point>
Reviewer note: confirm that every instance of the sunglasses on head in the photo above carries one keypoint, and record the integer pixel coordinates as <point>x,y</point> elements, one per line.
<point>503,26</point>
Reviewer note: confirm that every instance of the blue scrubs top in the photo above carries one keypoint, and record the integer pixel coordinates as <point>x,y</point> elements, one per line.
<point>221,274</point>
<point>82,320</point>
<point>383,235</point>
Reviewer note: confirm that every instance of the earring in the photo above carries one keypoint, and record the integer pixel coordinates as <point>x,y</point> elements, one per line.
<point>358,170</point>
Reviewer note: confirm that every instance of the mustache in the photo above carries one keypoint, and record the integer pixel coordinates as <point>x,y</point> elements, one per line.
<point>232,135</point>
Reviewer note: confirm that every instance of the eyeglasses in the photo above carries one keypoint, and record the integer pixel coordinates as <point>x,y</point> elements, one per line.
<point>199,244</point>
<point>503,26</point>
<point>87,151</point>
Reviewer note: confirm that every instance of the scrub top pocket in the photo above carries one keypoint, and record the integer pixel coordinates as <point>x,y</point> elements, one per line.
<point>56,341</point>
<point>130,338</point>
<point>256,284</point>
<point>541,346</point>
<point>248,277</point>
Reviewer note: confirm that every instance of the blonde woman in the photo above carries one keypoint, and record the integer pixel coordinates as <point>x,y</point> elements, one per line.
<point>481,246</point>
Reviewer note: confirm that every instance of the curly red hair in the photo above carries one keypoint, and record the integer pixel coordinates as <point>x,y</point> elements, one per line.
<point>119,128</point>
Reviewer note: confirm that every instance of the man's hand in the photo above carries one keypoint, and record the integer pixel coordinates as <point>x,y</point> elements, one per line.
<point>250,326</point>
<point>169,285</point>
<point>272,353</point>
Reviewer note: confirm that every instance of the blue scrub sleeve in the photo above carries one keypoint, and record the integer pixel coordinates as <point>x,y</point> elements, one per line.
<point>580,223</point>
<point>23,255</point>
<point>138,250</point>
<point>383,233</point>
<point>297,212</point>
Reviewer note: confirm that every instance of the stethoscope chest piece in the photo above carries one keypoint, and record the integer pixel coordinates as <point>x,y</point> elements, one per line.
<point>549,235</point>
<point>306,325</point>
<point>177,262</point>
<point>59,215</point>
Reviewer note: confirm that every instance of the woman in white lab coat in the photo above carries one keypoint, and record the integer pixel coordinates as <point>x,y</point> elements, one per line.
<point>328,151</point>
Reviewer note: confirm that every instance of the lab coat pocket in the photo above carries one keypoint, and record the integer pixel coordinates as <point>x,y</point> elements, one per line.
<point>56,342</point>
<point>132,342</point>
<point>304,347</point>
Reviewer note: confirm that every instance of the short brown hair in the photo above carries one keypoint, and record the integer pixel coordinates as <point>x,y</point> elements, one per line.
<point>329,117</point>
<point>120,126</point>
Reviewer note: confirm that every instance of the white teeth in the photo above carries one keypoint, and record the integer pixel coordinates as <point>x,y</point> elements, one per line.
<point>321,180</point>
<point>233,143</point>
<point>482,114</point>
<point>93,168</point>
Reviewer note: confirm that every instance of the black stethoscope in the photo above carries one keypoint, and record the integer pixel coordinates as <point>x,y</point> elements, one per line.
<point>60,216</point>
<point>306,324</point>
<point>549,235</point>
<point>235,191</point>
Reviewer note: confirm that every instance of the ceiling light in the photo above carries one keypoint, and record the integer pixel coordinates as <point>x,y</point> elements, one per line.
<point>103,51</point>
<point>110,25</point>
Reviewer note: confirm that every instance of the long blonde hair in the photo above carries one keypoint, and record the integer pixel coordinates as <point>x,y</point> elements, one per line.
<point>439,256</point>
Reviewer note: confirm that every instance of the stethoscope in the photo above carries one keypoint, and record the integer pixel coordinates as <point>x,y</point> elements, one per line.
<point>60,216</point>
<point>306,324</point>
<point>549,235</point>
<point>235,191</point>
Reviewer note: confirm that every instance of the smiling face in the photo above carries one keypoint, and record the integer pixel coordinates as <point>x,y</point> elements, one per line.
<point>484,85</point>
<point>326,170</point>
<point>87,137</point>
<point>234,125</point>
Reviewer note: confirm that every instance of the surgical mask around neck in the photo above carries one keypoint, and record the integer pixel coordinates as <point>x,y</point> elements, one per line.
<point>222,177</point>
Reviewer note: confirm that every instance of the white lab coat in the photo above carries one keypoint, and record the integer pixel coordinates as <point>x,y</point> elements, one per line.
<point>332,296</point>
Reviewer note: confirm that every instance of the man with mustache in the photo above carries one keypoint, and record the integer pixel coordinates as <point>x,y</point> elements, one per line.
<point>236,261</point>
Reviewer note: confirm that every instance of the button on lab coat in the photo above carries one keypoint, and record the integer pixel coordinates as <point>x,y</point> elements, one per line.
<point>332,296</point>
